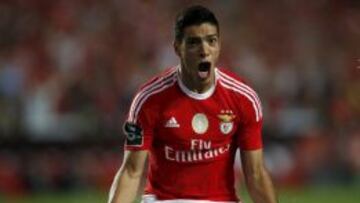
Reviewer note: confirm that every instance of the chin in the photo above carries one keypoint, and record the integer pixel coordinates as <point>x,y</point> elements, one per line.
<point>205,80</point>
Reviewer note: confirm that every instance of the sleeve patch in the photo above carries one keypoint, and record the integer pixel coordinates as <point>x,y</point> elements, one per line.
<point>134,134</point>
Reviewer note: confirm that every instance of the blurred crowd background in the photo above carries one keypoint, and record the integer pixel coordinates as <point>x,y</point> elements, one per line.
<point>69,69</point>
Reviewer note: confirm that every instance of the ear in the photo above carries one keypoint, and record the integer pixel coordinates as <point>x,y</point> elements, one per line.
<point>176,46</point>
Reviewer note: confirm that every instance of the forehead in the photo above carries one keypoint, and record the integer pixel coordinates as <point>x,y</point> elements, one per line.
<point>201,30</point>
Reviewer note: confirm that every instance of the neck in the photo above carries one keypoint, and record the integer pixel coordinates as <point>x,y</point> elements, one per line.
<point>196,85</point>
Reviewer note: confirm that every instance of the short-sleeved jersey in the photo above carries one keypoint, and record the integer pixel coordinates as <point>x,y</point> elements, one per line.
<point>192,138</point>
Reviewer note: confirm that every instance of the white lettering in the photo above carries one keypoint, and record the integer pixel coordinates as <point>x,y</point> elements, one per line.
<point>200,155</point>
<point>216,152</point>
<point>208,154</point>
<point>200,144</point>
<point>222,150</point>
<point>189,156</point>
<point>195,143</point>
<point>207,145</point>
<point>169,150</point>
<point>183,156</point>
<point>195,155</point>
<point>177,156</point>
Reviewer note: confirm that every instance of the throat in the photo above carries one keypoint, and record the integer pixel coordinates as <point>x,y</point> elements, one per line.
<point>200,89</point>
<point>197,86</point>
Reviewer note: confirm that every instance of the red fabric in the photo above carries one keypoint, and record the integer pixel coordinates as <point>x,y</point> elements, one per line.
<point>188,165</point>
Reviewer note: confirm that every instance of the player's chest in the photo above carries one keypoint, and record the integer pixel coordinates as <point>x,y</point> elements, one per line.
<point>182,122</point>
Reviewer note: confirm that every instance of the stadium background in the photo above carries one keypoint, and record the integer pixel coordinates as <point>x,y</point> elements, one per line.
<point>68,71</point>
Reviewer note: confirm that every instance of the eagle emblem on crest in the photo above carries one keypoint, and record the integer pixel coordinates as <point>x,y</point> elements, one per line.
<point>226,121</point>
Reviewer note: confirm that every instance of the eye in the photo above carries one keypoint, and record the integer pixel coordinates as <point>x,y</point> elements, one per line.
<point>212,40</point>
<point>192,41</point>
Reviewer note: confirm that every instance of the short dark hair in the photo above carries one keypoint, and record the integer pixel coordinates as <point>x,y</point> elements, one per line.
<point>194,15</point>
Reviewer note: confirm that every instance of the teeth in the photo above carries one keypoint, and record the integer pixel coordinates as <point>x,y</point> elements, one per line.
<point>203,74</point>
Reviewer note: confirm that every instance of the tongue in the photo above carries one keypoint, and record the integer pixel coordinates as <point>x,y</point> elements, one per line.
<point>203,74</point>
<point>204,69</point>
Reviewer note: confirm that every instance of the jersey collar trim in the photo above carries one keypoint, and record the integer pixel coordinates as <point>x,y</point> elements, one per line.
<point>195,95</point>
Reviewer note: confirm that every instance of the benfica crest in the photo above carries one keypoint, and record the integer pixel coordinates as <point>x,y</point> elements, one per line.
<point>226,121</point>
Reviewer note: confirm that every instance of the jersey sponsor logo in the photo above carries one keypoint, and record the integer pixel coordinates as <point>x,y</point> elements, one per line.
<point>172,123</point>
<point>200,123</point>
<point>226,117</point>
<point>134,134</point>
<point>200,150</point>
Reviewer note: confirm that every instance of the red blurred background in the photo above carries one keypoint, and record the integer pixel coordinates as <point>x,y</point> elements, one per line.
<point>68,71</point>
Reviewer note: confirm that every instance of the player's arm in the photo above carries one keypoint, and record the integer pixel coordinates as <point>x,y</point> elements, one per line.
<point>258,180</point>
<point>127,179</point>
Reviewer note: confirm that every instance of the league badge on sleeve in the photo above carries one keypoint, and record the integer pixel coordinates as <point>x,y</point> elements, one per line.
<point>226,124</point>
<point>134,134</point>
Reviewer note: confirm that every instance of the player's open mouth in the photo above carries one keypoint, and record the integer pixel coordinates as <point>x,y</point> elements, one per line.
<point>204,69</point>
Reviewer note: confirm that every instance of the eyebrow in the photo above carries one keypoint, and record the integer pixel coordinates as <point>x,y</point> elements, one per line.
<point>212,35</point>
<point>197,37</point>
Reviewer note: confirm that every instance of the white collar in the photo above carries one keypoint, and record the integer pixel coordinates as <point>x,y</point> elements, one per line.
<point>195,95</point>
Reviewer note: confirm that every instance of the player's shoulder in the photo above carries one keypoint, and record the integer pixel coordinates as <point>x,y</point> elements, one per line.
<point>241,91</point>
<point>164,77</point>
<point>159,83</point>
<point>145,97</point>
<point>229,78</point>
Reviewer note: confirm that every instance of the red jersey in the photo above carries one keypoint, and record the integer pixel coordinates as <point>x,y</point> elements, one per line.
<point>192,138</point>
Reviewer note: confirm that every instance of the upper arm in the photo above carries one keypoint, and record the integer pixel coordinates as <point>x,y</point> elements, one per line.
<point>140,124</point>
<point>252,162</point>
<point>134,162</point>
<point>250,119</point>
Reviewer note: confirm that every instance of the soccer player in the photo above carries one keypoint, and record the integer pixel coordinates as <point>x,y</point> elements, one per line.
<point>190,120</point>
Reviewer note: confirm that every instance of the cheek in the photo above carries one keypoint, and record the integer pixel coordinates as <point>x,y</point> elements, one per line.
<point>190,54</point>
<point>216,53</point>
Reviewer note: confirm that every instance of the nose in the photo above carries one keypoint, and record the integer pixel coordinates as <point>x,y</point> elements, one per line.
<point>204,50</point>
